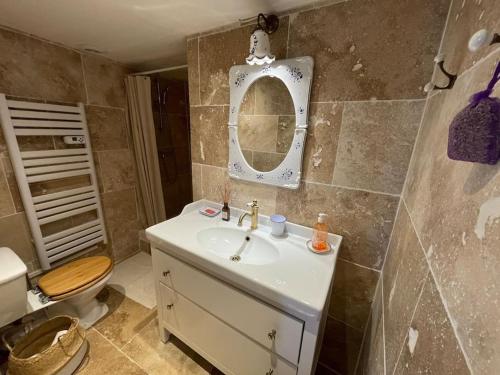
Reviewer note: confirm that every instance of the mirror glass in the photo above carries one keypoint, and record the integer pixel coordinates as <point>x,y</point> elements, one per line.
<point>266,123</point>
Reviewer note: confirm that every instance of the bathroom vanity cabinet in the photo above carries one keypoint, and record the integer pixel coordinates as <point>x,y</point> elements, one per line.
<point>264,315</point>
<point>237,333</point>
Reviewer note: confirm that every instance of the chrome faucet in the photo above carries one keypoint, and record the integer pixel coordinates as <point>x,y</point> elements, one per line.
<point>254,213</point>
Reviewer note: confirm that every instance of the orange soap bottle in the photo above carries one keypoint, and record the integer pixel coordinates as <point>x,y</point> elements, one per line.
<point>320,233</point>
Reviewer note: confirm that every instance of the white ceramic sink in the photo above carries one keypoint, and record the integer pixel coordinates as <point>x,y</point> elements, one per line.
<point>278,270</point>
<point>237,245</point>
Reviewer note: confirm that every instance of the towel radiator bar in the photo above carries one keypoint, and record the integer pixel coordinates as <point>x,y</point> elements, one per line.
<point>21,118</point>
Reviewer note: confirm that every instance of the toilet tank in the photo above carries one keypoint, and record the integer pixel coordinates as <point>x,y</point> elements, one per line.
<point>13,288</point>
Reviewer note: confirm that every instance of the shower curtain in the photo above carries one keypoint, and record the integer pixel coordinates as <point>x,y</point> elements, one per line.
<point>144,142</point>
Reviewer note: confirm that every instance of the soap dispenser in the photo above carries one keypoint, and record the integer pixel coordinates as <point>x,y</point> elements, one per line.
<point>320,234</point>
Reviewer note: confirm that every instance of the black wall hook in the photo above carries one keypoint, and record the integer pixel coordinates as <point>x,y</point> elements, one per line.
<point>439,60</point>
<point>269,24</point>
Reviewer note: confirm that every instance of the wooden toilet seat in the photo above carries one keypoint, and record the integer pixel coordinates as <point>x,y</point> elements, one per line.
<point>74,277</point>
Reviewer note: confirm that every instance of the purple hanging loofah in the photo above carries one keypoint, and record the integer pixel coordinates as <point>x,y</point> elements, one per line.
<point>474,133</point>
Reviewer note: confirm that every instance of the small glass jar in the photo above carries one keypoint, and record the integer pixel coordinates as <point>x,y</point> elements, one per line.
<point>226,212</point>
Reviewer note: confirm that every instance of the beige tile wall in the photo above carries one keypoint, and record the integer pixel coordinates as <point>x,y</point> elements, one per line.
<point>440,279</point>
<point>371,61</point>
<point>35,69</point>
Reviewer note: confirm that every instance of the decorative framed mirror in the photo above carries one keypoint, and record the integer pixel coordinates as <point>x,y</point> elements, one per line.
<point>268,115</point>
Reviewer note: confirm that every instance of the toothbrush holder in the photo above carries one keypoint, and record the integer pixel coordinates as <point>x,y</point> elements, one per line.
<point>278,223</point>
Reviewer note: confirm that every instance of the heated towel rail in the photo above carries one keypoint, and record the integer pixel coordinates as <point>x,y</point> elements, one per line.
<point>21,119</point>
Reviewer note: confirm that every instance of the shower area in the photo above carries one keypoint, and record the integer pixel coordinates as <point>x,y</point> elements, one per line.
<point>159,116</point>
<point>170,105</point>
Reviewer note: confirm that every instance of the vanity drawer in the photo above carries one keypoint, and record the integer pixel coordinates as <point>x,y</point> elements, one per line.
<point>275,330</point>
<point>233,352</point>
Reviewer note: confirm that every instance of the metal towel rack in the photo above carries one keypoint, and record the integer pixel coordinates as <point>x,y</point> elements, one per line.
<point>21,118</point>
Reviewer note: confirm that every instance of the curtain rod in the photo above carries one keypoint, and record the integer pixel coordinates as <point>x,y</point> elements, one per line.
<point>160,70</point>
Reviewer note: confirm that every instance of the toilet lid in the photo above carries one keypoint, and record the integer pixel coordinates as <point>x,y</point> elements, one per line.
<point>75,275</point>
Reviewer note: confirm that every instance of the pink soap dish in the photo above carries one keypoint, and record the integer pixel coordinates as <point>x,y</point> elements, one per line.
<point>209,211</point>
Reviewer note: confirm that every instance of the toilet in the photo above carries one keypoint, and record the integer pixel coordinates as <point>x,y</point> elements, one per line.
<point>73,287</point>
<point>12,287</point>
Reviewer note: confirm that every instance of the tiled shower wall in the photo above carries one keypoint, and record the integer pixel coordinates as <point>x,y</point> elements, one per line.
<point>371,62</point>
<point>437,307</point>
<point>38,70</point>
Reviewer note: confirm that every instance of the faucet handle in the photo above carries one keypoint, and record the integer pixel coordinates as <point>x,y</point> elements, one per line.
<point>253,203</point>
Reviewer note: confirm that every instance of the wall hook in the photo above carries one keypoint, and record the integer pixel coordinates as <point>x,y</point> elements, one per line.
<point>269,23</point>
<point>439,60</point>
<point>482,38</point>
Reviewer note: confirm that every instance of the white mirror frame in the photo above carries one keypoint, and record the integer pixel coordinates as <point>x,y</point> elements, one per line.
<point>296,74</point>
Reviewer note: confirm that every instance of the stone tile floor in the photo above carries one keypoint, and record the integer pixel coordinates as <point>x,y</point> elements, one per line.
<point>134,278</point>
<point>126,341</point>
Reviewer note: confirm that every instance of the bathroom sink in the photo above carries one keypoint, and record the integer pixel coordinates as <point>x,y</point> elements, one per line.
<point>279,270</point>
<point>238,245</point>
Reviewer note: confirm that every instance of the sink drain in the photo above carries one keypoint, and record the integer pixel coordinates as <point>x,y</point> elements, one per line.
<point>235,258</point>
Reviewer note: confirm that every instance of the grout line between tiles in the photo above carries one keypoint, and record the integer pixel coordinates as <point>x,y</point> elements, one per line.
<point>117,348</point>
<point>441,43</point>
<point>207,105</point>
<point>132,187</point>
<point>265,115</point>
<point>104,106</point>
<point>211,166</point>
<point>390,236</point>
<point>338,141</point>
<point>3,170</point>
<point>288,34</point>
<point>199,78</point>
<point>154,315</point>
<point>54,142</point>
<point>12,214</point>
<point>112,149</point>
<point>359,265</point>
<point>351,188</point>
<point>382,274</point>
<point>363,340</point>
<point>374,101</point>
<point>328,315</point>
<point>41,100</point>
<point>411,320</point>
<point>319,184</point>
<point>84,76</point>
<point>383,321</point>
<point>328,367</point>
<point>201,182</point>
<point>417,138</point>
<point>438,287</point>
<point>333,102</point>
<point>479,62</point>
<point>366,190</point>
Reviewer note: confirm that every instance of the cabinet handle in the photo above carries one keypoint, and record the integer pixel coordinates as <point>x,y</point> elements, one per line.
<point>271,335</point>
<point>169,306</point>
<point>166,273</point>
<point>270,372</point>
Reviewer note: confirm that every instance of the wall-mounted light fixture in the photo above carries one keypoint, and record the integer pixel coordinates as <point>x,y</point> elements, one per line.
<point>260,48</point>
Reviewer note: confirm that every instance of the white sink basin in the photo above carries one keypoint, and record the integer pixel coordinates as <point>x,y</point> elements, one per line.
<point>238,245</point>
<point>280,271</point>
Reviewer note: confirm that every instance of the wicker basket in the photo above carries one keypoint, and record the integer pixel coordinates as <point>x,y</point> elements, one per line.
<point>34,354</point>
